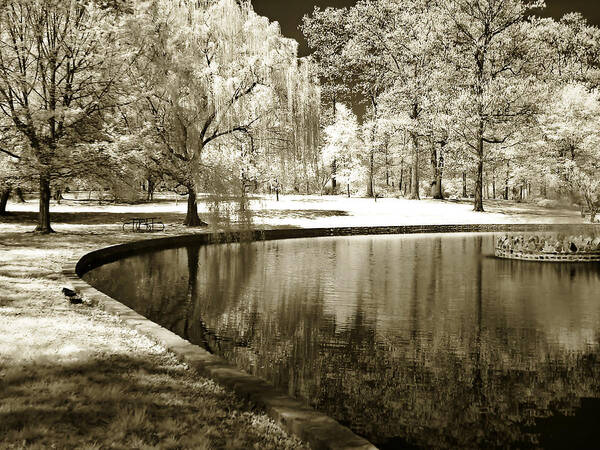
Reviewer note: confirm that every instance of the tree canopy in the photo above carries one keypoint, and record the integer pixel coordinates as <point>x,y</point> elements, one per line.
<point>208,97</point>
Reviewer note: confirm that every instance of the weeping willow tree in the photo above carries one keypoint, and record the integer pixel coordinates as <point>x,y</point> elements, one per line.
<point>299,163</point>
<point>290,144</point>
<point>210,71</point>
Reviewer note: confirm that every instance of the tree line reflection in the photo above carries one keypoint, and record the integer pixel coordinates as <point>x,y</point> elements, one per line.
<point>424,342</point>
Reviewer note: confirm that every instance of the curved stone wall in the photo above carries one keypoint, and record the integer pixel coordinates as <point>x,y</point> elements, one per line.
<point>108,254</point>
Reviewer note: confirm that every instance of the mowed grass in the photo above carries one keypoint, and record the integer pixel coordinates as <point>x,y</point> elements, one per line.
<point>72,376</point>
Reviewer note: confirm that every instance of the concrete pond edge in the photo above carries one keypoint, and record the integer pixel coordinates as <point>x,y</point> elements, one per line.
<point>317,429</point>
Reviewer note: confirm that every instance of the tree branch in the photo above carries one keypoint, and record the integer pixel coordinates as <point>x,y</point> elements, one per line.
<point>10,153</point>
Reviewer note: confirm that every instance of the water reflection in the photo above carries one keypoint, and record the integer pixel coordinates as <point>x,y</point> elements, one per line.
<point>417,341</point>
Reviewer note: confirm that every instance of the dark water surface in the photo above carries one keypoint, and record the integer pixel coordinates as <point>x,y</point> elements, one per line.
<point>412,341</point>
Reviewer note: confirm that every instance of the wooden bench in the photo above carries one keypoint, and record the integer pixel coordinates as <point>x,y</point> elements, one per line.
<point>144,225</point>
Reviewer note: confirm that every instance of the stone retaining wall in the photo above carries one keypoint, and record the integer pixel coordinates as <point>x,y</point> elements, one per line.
<point>109,254</point>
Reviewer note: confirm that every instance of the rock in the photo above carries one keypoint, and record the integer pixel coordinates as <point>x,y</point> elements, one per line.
<point>73,297</point>
<point>69,292</point>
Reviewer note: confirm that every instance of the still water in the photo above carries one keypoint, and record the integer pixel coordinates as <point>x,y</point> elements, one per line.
<point>423,341</point>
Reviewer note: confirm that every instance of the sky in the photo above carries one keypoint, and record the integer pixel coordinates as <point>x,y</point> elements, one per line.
<point>289,12</point>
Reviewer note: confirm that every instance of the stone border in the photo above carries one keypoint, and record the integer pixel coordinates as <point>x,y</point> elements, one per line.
<point>315,428</point>
<point>96,258</point>
<point>548,257</point>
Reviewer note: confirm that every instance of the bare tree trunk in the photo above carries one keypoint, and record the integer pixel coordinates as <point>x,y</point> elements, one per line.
<point>436,188</point>
<point>370,187</point>
<point>4,195</point>
<point>348,185</point>
<point>480,90</point>
<point>43,226</point>
<point>58,195</point>
<point>370,192</point>
<point>543,189</point>
<point>296,184</point>
<point>494,186</point>
<point>478,203</point>
<point>506,190</point>
<point>401,180</point>
<point>387,166</point>
<point>243,196</point>
<point>334,163</point>
<point>464,184</point>
<point>151,187</point>
<point>19,194</point>
<point>414,182</point>
<point>192,219</point>
<point>333,176</point>
<point>436,184</point>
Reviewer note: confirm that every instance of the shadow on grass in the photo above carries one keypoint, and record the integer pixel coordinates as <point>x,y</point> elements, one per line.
<point>117,218</point>
<point>299,214</point>
<point>515,208</point>
<point>88,218</point>
<point>125,402</point>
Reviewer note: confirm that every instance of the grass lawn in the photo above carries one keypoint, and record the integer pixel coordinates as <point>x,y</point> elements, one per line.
<point>75,377</point>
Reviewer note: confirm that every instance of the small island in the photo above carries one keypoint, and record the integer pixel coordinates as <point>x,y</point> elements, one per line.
<point>558,248</point>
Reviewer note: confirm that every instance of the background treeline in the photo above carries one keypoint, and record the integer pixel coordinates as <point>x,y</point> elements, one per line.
<point>463,98</point>
<point>460,98</point>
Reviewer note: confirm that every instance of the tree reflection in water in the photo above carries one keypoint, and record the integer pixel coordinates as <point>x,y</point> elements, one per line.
<point>421,341</point>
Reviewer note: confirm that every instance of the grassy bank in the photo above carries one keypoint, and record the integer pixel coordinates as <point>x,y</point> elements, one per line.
<point>75,377</point>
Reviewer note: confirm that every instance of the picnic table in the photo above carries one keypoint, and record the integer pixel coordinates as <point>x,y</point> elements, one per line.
<point>144,224</point>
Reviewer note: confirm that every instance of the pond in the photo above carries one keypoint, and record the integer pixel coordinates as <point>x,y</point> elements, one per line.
<point>418,341</point>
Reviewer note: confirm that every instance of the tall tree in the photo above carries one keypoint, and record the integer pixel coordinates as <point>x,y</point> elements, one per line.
<point>342,143</point>
<point>11,152</point>
<point>60,63</point>
<point>327,34</point>
<point>405,37</point>
<point>494,58</point>
<point>391,51</point>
